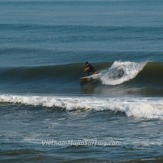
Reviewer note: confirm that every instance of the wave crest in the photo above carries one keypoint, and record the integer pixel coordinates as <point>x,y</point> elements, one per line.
<point>120,72</point>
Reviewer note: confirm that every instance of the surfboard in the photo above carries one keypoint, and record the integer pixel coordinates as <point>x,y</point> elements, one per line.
<point>89,78</point>
<point>86,79</point>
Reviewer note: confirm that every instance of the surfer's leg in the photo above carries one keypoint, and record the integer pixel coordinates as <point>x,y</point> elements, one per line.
<point>88,73</point>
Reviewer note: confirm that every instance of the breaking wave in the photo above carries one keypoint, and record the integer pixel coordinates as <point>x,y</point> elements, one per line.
<point>120,72</point>
<point>150,108</point>
<point>110,73</point>
<point>144,78</point>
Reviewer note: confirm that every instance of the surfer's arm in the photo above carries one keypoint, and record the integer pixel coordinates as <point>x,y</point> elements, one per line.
<point>87,69</point>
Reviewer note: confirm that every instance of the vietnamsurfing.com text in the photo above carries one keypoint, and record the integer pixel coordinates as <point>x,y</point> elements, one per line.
<point>80,143</point>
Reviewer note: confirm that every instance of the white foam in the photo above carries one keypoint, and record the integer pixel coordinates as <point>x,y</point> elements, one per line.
<point>132,107</point>
<point>120,72</point>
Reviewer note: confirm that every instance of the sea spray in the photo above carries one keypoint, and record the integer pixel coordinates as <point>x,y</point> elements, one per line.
<point>120,72</point>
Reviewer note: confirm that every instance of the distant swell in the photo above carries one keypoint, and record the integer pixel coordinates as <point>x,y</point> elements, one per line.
<point>151,108</point>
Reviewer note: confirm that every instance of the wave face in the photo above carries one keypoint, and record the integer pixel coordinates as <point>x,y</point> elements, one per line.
<point>151,108</point>
<point>110,73</point>
<point>145,78</point>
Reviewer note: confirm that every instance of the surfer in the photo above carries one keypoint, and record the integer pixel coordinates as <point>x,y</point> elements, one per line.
<point>89,69</point>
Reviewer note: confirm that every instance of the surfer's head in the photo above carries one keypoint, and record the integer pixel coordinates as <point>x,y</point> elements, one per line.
<point>86,63</point>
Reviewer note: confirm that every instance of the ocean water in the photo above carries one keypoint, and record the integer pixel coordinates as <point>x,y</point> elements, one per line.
<point>47,114</point>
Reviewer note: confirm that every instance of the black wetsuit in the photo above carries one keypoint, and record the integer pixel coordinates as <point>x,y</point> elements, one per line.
<point>91,68</point>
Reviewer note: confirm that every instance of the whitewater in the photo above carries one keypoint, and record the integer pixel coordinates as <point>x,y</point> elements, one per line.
<point>120,72</point>
<point>151,108</point>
